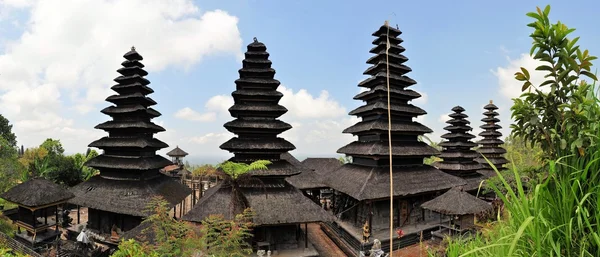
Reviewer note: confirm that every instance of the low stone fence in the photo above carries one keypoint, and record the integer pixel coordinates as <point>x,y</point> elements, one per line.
<point>17,246</point>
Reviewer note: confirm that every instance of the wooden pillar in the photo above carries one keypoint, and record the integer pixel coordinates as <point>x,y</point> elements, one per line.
<point>78,215</point>
<point>174,211</point>
<point>193,195</point>
<point>55,217</point>
<point>371,219</point>
<point>34,219</point>
<point>305,235</point>
<point>46,216</point>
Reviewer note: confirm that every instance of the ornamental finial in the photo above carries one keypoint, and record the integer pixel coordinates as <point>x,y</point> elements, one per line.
<point>255,40</point>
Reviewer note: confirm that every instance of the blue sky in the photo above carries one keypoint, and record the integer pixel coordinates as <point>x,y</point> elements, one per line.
<point>461,53</point>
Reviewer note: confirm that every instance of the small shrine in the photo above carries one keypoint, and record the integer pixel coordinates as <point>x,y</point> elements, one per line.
<point>37,216</point>
<point>176,170</point>
<point>457,154</point>
<point>364,183</point>
<point>177,155</point>
<point>279,208</point>
<point>129,166</point>
<point>490,145</point>
<point>461,207</point>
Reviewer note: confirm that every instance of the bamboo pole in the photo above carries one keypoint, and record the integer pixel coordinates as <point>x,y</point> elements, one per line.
<point>387,48</point>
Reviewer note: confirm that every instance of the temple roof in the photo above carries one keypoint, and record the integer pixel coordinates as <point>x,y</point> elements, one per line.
<point>127,196</point>
<point>272,206</point>
<point>177,152</point>
<point>128,150</point>
<point>457,202</point>
<point>256,109</point>
<point>363,183</point>
<point>322,166</point>
<point>491,143</point>
<point>458,157</point>
<point>36,193</point>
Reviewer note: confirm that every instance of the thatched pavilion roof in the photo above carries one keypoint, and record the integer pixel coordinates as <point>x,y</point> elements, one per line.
<point>363,183</point>
<point>127,196</point>
<point>36,193</point>
<point>456,202</point>
<point>322,166</point>
<point>272,206</point>
<point>177,152</point>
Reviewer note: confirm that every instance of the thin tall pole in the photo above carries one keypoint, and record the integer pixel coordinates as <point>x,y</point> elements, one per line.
<point>387,63</point>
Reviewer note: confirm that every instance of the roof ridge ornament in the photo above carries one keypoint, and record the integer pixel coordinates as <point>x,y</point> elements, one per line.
<point>255,40</point>
<point>132,48</point>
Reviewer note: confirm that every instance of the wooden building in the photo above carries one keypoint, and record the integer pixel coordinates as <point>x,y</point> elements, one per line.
<point>364,183</point>
<point>129,166</point>
<point>461,207</point>
<point>37,212</point>
<point>457,154</point>
<point>490,145</point>
<point>279,208</point>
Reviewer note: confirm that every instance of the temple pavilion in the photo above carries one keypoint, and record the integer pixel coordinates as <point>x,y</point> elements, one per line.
<point>279,208</point>
<point>177,169</point>
<point>37,212</point>
<point>364,183</point>
<point>490,145</point>
<point>129,166</point>
<point>457,154</point>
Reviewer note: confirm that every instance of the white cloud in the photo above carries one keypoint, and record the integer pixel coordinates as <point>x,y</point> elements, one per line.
<point>444,117</point>
<point>219,103</point>
<point>303,105</point>
<point>509,86</point>
<point>67,54</point>
<point>188,114</point>
<point>212,138</point>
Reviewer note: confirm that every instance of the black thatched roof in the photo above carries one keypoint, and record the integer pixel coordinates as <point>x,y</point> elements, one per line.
<point>308,179</point>
<point>143,233</point>
<point>36,193</point>
<point>322,166</point>
<point>458,157</point>
<point>490,144</point>
<point>372,132</point>
<point>256,109</point>
<point>284,205</point>
<point>363,183</point>
<point>128,150</point>
<point>177,152</point>
<point>127,196</point>
<point>456,202</point>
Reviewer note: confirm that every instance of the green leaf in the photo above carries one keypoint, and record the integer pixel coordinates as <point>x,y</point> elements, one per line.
<point>547,10</point>
<point>544,67</point>
<point>520,77</point>
<point>563,143</point>
<point>525,73</point>
<point>525,86</point>
<point>534,15</point>
<point>589,75</point>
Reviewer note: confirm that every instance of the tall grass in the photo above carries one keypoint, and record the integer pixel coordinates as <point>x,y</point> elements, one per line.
<point>558,217</point>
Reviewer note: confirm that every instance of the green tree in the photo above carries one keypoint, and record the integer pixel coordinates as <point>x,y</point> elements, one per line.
<point>79,163</point>
<point>522,155</point>
<point>6,132</point>
<point>563,119</point>
<point>54,147</point>
<point>235,175</point>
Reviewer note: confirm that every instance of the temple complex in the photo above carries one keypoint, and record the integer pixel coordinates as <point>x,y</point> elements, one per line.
<point>129,166</point>
<point>490,144</point>
<point>457,154</point>
<point>279,208</point>
<point>364,183</point>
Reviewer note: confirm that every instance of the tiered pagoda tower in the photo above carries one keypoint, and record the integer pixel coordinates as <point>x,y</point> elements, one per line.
<point>490,144</point>
<point>129,166</point>
<point>278,207</point>
<point>458,156</point>
<point>365,182</point>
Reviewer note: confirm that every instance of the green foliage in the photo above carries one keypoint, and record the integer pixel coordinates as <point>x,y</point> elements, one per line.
<point>6,226</point>
<point>10,168</point>
<point>215,237</point>
<point>345,159</point>
<point>79,163</point>
<point>54,147</point>
<point>6,132</point>
<point>565,118</point>
<point>522,155</point>
<point>430,160</point>
<point>237,169</point>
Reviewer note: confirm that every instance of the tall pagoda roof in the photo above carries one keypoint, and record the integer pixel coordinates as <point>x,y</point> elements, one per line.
<point>366,176</point>
<point>129,166</point>
<point>256,111</point>
<point>457,202</point>
<point>177,152</point>
<point>490,145</point>
<point>458,156</point>
<point>36,193</point>
<point>322,166</point>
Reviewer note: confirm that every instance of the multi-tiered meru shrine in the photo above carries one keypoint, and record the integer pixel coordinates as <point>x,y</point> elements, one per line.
<point>490,145</point>
<point>365,182</point>
<point>458,158</point>
<point>279,208</point>
<point>129,166</point>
